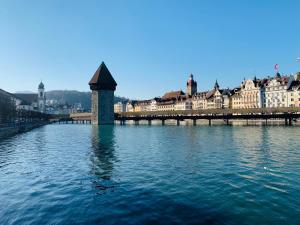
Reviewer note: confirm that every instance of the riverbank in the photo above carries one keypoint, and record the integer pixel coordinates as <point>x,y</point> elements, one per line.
<point>8,130</point>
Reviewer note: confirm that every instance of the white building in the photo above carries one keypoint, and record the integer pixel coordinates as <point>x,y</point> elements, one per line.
<point>184,104</point>
<point>119,107</point>
<point>153,105</point>
<point>32,101</point>
<point>276,92</point>
<point>130,106</point>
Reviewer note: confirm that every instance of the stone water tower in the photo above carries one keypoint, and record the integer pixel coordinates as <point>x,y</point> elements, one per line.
<point>103,86</point>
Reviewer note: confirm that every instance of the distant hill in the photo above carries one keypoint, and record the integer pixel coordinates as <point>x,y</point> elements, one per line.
<point>75,97</point>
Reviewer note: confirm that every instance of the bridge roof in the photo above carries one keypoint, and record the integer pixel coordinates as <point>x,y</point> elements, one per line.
<point>102,79</point>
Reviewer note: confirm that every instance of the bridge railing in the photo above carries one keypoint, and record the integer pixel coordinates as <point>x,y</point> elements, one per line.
<point>248,111</point>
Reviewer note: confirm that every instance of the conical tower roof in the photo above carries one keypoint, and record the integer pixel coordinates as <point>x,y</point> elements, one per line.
<point>102,79</point>
<point>41,85</point>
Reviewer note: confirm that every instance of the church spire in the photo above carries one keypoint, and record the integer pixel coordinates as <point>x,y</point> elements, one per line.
<point>216,85</point>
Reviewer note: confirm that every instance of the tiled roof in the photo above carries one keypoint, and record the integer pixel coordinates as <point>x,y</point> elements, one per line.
<point>173,94</point>
<point>102,79</point>
<point>210,93</point>
<point>294,83</point>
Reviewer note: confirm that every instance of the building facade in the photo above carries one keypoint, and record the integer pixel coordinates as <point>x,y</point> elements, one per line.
<point>119,107</point>
<point>32,101</point>
<point>293,94</point>
<point>252,94</point>
<point>276,92</point>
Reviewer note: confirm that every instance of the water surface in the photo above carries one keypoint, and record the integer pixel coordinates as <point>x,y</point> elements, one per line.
<point>80,174</point>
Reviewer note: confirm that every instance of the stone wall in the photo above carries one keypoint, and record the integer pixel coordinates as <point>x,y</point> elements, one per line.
<point>12,129</point>
<point>103,107</point>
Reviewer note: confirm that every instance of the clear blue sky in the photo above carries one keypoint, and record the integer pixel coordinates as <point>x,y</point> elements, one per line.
<point>149,46</point>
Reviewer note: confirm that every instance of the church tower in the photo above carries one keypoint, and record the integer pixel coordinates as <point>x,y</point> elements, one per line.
<point>103,86</point>
<point>191,86</point>
<point>41,98</point>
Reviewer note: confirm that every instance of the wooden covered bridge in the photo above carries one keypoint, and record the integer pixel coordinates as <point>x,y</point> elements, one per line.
<point>285,114</point>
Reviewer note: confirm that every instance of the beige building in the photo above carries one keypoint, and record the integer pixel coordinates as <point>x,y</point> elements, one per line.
<point>294,94</point>
<point>142,106</point>
<point>218,98</point>
<point>252,94</point>
<point>236,100</point>
<point>166,105</point>
<point>184,104</point>
<point>215,99</point>
<point>199,100</point>
<point>119,107</point>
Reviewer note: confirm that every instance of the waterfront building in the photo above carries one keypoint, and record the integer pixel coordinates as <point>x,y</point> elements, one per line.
<point>276,92</point>
<point>199,100</point>
<point>142,106</point>
<point>119,107</point>
<point>215,97</point>
<point>130,106</point>
<point>184,104</point>
<point>32,101</point>
<point>236,100</point>
<point>166,105</point>
<point>7,106</point>
<point>103,86</point>
<point>297,76</point>
<point>252,93</point>
<point>294,94</point>
<point>153,104</point>
<point>226,94</point>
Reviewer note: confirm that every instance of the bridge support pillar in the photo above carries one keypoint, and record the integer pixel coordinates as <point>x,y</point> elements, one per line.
<point>163,122</point>
<point>149,122</point>
<point>194,122</point>
<point>266,121</point>
<point>286,121</point>
<point>290,121</point>
<point>136,122</point>
<point>178,122</point>
<point>209,122</point>
<point>227,121</point>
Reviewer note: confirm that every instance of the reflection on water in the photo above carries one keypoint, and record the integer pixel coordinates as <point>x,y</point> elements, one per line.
<point>82,174</point>
<point>103,157</point>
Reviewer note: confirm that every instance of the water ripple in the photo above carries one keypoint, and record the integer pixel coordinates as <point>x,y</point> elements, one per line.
<point>81,174</point>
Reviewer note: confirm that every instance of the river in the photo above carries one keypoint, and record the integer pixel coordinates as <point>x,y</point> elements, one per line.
<point>83,174</point>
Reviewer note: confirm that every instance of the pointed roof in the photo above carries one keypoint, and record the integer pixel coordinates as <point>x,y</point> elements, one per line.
<point>41,85</point>
<point>102,79</point>
<point>216,85</point>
